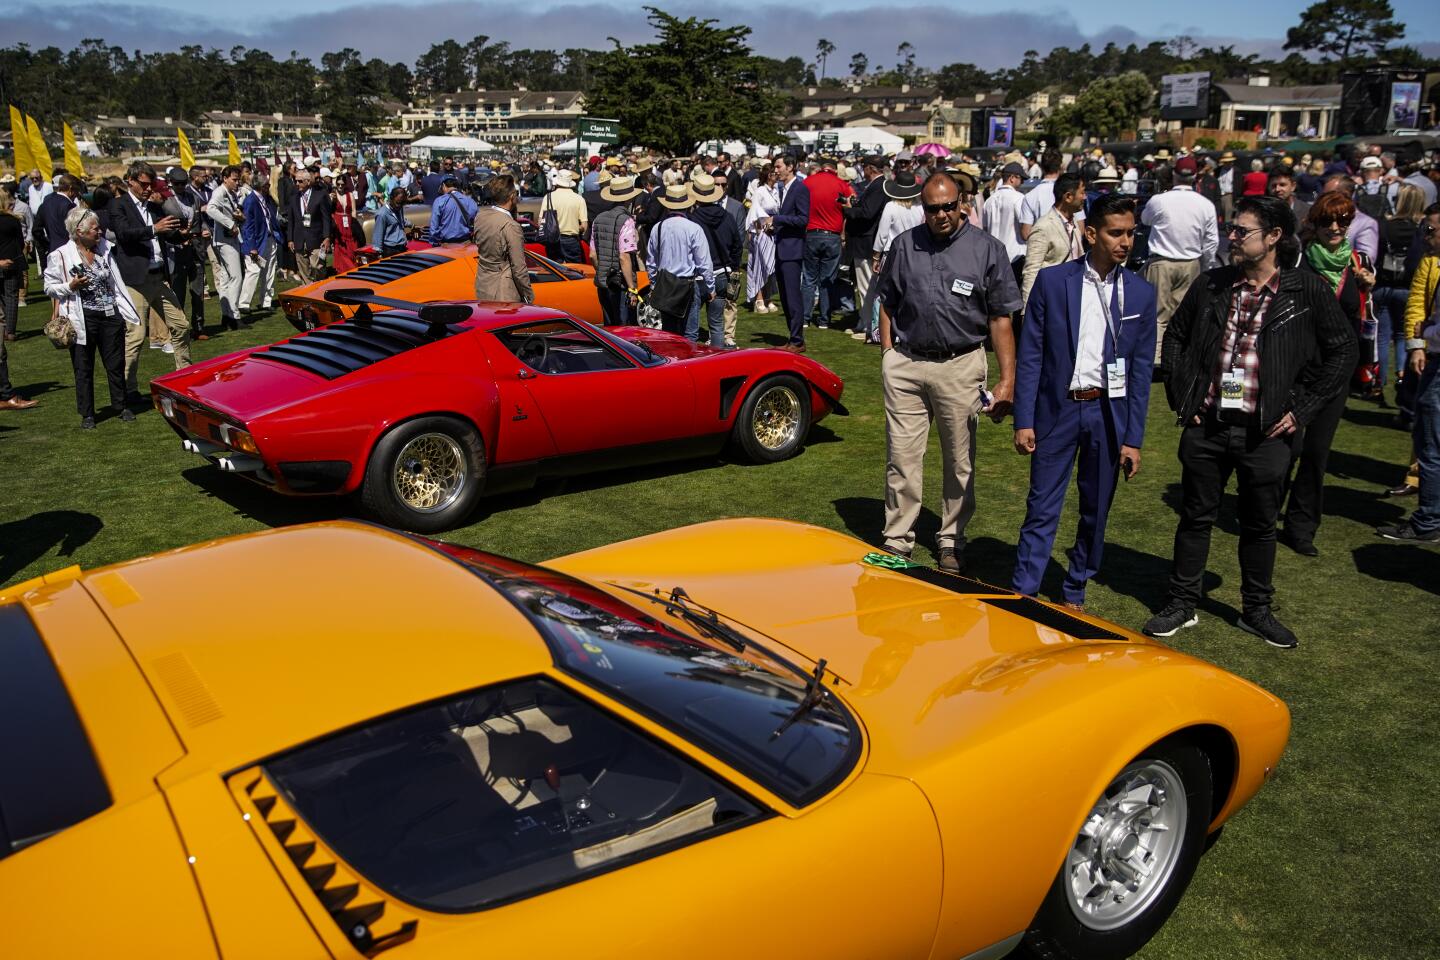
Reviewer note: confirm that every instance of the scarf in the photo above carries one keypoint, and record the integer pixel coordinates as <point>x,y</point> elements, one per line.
<point>1330,264</point>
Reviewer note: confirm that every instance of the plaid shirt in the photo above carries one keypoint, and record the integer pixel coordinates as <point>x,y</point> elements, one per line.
<point>1248,306</point>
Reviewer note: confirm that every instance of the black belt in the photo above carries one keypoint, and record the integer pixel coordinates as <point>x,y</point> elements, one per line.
<point>937,356</point>
<point>159,269</point>
<point>1233,418</point>
<point>835,233</point>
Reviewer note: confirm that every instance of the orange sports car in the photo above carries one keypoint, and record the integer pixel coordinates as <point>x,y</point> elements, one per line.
<point>748,738</point>
<point>443,273</point>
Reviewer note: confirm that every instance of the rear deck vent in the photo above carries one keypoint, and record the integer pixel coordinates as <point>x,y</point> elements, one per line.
<point>340,348</point>
<point>394,268</point>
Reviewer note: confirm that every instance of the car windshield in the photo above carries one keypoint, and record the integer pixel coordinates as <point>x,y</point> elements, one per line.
<point>731,702</point>
<point>642,354</point>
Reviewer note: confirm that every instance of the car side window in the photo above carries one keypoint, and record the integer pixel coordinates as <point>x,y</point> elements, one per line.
<point>498,794</point>
<point>559,346</point>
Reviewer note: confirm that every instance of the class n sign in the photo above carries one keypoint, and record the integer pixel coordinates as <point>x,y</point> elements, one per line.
<point>594,130</point>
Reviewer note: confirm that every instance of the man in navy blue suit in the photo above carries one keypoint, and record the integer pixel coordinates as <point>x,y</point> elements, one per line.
<point>1082,387</point>
<point>788,226</point>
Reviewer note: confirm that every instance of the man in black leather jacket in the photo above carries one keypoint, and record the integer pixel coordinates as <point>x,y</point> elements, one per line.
<point>1253,353</point>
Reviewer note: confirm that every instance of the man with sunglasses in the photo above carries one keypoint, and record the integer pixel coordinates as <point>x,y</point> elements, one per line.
<point>1253,354</point>
<point>141,227</point>
<point>947,285</point>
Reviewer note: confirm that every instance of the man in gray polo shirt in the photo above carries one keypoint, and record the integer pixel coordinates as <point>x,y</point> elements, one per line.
<point>946,287</point>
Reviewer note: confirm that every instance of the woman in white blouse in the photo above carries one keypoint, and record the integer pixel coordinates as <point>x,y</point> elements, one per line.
<point>762,202</point>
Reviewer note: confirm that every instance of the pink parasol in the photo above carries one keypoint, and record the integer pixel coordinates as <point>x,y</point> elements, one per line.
<point>938,149</point>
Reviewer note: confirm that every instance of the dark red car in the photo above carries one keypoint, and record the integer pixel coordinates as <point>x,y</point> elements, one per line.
<point>422,408</point>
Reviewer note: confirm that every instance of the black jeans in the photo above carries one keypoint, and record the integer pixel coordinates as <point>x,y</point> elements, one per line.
<point>188,270</point>
<point>10,281</point>
<point>1209,453</point>
<point>107,335</point>
<point>1307,486</point>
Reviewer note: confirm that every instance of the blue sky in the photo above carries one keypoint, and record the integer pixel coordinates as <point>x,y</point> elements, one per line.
<point>989,35</point>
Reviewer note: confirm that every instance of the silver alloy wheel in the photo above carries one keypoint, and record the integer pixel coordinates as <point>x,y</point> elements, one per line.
<point>430,472</point>
<point>1128,847</point>
<point>777,417</point>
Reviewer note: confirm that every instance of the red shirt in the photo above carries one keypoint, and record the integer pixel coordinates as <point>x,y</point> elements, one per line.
<point>1255,183</point>
<point>826,189</point>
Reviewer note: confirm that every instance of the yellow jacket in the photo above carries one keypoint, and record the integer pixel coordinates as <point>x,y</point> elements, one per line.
<point>1422,300</point>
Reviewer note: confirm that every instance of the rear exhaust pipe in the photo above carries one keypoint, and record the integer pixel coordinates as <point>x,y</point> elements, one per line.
<point>203,447</point>
<point>240,463</point>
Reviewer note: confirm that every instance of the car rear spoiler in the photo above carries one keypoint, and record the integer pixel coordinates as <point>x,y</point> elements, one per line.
<point>438,315</point>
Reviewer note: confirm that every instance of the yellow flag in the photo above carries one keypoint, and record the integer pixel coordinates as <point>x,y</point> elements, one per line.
<point>234,159</point>
<point>73,164</point>
<point>187,156</point>
<point>39,153</point>
<point>24,163</point>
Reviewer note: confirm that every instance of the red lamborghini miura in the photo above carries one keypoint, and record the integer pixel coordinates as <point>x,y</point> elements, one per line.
<point>421,408</point>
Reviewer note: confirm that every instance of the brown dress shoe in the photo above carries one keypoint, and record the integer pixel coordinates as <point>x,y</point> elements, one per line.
<point>1077,607</point>
<point>18,403</point>
<point>1404,490</point>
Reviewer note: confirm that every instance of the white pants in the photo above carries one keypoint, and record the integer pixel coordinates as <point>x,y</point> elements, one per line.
<point>259,274</point>
<point>229,276</point>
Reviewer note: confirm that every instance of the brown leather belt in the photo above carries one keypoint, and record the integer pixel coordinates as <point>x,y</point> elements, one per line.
<point>1089,393</point>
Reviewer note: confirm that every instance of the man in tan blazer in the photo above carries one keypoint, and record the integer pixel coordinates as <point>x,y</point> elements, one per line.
<point>1057,236</point>
<point>500,269</point>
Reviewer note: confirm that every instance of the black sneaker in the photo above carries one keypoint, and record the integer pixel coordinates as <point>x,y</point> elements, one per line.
<point>1172,618</point>
<point>1405,533</point>
<point>127,415</point>
<point>1262,623</point>
<point>950,561</point>
<point>87,423</point>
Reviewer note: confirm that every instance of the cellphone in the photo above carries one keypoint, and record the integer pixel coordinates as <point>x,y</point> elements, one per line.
<point>986,399</point>
<point>1127,468</point>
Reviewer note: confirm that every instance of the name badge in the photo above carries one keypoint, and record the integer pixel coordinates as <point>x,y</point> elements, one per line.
<point>109,310</point>
<point>305,219</point>
<point>1232,390</point>
<point>962,287</point>
<point>345,223</point>
<point>1115,379</point>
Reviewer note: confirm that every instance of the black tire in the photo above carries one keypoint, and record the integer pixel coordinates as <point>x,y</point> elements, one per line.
<point>1057,933</point>
<point>456,446</point>
<point>746,436</point>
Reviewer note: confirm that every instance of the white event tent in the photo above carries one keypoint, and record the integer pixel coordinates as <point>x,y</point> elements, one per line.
<point>862,139</point>
<point>442,144</point>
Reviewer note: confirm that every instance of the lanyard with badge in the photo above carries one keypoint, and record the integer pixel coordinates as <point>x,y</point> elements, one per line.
<point>1115,369</point>
<point>1232,379</point>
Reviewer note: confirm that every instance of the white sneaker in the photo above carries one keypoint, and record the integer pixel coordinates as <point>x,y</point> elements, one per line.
<point>858,335</point>
<point>154,345</point>
<point>167,347</point>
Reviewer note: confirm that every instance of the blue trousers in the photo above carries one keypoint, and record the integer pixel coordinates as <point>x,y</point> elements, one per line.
<point>822,260</point>
<point>1086,429</point>
<point>787,274</point>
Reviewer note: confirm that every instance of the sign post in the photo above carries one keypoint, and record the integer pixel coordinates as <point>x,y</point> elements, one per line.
<point>595,130</point>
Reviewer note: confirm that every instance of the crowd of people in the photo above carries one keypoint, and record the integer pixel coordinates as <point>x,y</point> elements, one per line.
<point>1262,291</point>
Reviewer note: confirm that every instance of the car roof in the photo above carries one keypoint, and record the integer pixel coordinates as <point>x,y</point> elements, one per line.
<point>337,623</point>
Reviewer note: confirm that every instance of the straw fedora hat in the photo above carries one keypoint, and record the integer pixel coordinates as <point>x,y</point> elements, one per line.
<point>677,197</point>
<point>620,190</point>
<point>704,189</point>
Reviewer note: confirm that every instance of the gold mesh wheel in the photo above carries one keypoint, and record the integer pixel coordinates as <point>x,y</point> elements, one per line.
<point>776,421</point>
<point>430,472</point>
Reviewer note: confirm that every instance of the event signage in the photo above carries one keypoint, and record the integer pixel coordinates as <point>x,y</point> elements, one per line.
<point>827,142</point>
<point>1404,112</point>
<point>1185,96</point>
<point>594,130</point>
<point>1000,129</point>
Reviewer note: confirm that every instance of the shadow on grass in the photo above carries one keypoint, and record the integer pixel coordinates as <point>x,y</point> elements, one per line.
<point>986,558</point>
<point>264,505</point>
<point>1371,509</point>
<point>1372,418</point>
<point>1354,466</point>
<point>1417,565</point>
<point>22,542</point>
<point>41,387</point>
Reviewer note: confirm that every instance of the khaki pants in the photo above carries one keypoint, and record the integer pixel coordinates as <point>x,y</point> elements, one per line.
<point>260,275</point>
<point>917,392</point>
<point>154,297</point>
<point>310,265</point>
<point>1170,278</point>
<point>729,322</point>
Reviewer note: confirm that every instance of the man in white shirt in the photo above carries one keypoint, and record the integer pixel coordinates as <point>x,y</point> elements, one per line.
<point>1183,239</point>
<point>1041,197</point>
<point>40,188</point>
<point>1002,211</point>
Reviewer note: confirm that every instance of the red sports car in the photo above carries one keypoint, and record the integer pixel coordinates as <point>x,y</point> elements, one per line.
<point>421,408</point>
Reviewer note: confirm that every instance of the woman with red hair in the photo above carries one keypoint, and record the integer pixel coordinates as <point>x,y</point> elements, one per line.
<point>1351,275</point>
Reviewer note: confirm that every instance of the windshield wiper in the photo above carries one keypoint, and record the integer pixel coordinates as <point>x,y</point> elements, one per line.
<point>702,618</point>
<point>815,692</point>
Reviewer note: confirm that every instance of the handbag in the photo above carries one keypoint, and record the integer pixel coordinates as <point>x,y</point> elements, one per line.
<point>549,223</point>
<point>669,293</point>
<point>59,331</point>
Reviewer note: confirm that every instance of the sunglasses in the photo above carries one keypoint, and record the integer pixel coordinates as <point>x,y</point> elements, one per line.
<point>1337,221</point>
<point>143,183</point>
<point>942,207</point>
<point>1242,232</point>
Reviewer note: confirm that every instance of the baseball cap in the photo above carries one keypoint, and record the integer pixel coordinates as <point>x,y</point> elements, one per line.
<point>1185,164</point>
<point>1012,170</point>
<point>1371,163</point>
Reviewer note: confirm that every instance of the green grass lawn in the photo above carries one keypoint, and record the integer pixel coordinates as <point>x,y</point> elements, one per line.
<point>1334,859</point>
